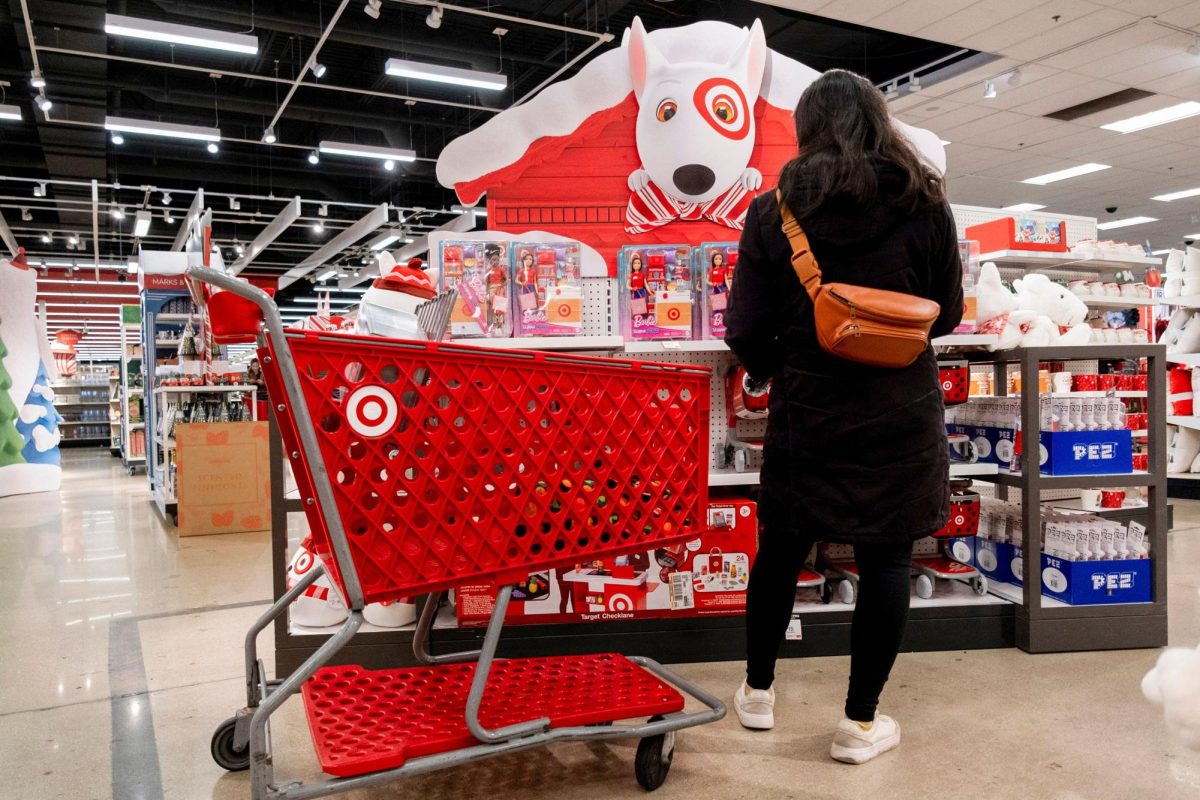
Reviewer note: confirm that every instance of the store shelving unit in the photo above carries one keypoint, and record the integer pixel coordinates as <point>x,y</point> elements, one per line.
<point>1036,260</point>
<point>1048,626</point>
<point>132,394</point>
<point>114,413</point>
<point>83,403</point>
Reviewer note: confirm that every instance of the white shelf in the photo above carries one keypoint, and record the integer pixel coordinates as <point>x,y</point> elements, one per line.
<point>1192,422</point>
<point>1097,394</point>
<point>1106,301</point>
<point>1184,301</point>
<point>677,346</point>
<point>167,443</point>
<point>172,317</point>
<point>966,340</point>
<point>968,470</point>
<point>1041,260</point>
<point>1187,359</point>
<point>548,343</point>
<point>730,478</point>
<point>193,389</point>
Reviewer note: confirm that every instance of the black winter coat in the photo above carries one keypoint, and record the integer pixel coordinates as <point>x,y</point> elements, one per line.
<point>853,453</point>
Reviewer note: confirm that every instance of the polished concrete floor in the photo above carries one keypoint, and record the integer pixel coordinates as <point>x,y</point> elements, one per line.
<point>120,651</point>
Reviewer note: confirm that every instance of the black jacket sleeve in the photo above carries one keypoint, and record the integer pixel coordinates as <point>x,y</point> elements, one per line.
<point>945,273</point>
<point>752,319</point>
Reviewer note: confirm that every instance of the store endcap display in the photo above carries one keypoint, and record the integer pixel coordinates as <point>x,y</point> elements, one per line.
<point>29,432</point>
<point>1042,313</point>
<point>663,140</point>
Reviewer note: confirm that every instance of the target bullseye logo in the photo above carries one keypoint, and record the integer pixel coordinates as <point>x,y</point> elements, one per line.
<point>564,310</point>
<point>960,520</point>
<point>303,563</point>
<point>371,411</point>
<point>947,385</point>
<point>673,314</point>
<point>620,602</point>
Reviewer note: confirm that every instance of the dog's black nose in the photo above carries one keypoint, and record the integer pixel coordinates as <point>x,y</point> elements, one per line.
<point>694,179</point>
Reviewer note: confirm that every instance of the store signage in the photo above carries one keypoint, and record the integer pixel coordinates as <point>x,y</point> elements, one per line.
<point>131,315</point>
<point>168,282</point>
<point>665,139</point>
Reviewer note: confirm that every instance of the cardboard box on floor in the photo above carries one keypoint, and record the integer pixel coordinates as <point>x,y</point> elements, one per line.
<point>223,477</point>
<point>706,576</point>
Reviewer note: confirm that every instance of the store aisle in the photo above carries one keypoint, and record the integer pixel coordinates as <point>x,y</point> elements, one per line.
<point>121,651</point>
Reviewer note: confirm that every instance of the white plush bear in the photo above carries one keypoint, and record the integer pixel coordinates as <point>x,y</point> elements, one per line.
<point>1174,684</point>
<point>994,306</point>
<point>1064,309</point>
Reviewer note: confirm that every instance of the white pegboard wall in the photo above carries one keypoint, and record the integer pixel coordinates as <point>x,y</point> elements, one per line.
<point>598,315</point>
<point>1078,228</point>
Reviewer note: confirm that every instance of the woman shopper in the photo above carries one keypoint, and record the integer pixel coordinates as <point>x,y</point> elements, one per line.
<point>854,454</point>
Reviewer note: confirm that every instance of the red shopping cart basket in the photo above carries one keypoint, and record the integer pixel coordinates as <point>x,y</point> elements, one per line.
<point>452,463</point>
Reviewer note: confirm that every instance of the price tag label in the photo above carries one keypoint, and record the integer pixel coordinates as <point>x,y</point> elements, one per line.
<point>794,632</point>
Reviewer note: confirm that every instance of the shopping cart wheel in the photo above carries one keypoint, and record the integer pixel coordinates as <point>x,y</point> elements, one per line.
<point>980,585</point>
<point>924,587</point>
<point>224,753</point>
<point>653,760</point>
<point>846,591</point>
<point>826,593</point>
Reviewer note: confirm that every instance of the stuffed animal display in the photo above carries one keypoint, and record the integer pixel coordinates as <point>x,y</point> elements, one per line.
<point>1041,313</point>
<point>1174,685</point>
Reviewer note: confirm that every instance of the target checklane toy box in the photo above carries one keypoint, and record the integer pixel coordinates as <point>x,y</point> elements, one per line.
<point>706,576</point>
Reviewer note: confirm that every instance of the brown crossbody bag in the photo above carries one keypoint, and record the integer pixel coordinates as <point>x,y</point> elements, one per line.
<point>857,323</point>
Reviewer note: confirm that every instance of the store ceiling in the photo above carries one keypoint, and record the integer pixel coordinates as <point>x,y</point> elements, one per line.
<point>1093,49</point>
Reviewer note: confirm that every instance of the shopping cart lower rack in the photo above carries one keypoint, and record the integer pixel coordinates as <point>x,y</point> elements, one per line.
<point>422,466</point>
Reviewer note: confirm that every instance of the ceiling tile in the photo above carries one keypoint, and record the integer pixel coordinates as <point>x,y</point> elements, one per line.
<point>961,25</point>
<point>856,10</point>
<point>1066,33</point>
<point>913,15</point>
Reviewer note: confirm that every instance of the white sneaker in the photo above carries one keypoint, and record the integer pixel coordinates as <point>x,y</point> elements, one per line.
<point>853,745</point>
<point>755,707</point>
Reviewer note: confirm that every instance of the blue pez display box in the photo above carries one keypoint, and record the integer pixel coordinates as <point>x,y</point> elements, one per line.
<point>1088,583</point>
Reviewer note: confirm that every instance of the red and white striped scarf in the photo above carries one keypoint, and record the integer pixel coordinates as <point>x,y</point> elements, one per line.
<point>652,208</point>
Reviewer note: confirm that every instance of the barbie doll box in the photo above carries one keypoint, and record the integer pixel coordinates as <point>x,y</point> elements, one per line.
<point>706,576</point>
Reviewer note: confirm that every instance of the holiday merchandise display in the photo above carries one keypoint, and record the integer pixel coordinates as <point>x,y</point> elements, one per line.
<point>29,431</point>
<point>706,576</point>
<point>548,282</point>
<point>389,306</point>
<point>480,273</point>
<point>1042,313</point>
<point>715,263</point>
<point>657,292</point>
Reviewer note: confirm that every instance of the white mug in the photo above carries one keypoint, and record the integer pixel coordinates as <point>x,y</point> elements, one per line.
<point>1089,499</point>
<point>1062,382</point>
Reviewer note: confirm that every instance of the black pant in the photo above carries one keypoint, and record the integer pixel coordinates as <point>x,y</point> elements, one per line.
<point>880,614</point>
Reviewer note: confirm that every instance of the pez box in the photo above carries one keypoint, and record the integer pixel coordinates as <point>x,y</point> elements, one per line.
<point>999,561</point>
<point>1086,583</point>
<point>706,576</point>
<point>1087,452</point>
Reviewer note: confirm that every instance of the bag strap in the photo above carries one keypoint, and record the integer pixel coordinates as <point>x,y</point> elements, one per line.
<point>803,261</point>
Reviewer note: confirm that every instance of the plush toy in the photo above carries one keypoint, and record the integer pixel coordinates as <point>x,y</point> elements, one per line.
<point>1041,295</point>
<point>994,306</point>
<point>1174,684</point>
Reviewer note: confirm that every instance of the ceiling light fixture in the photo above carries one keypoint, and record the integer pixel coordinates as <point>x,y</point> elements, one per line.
<point>1015,77</point>
<point>170,130</point>
<point>326,275</point>
<point>318,70</point>
<point>989,90</point>
<point>434,20</point>
<point>314,158</point>
<point>118,212</point>
<point>914,83</point>
<point>1154,118</point>
<point>1166,198</point>
<point>11,112</point>
<point>372,8</point>
<point>318,227</point>
<point>166,198</point>
<point>323,209</point>
<point>389,165</point>
<point>1023,207</point>
<point>269,135</point>
<point>234,204</point>
<point>384,239</point>
<point>1160,252</point>
<point>171,33</point>
<point>168,217</point>
<point>141,223</point>
<point>239,248</point>
<point>893,91</point>
<point>43,102</point>
<point>72,240</point>
<point>117,138</point>
<point>366,151</point>
<point>36,80</point>
<point>1063,174</point>
<point>1124,223</point>
<point>40,189</point>
<point>46,239</point>
<point>436,73</point>
<point>26,215</point>
<point>213,148</point>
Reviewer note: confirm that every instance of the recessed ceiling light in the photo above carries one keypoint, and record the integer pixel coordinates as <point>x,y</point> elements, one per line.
<point>1023,207</point>
<point>1154,118</point>
<point>1166,198</point>
<point>1124,223</point>
<point>1063,174</point>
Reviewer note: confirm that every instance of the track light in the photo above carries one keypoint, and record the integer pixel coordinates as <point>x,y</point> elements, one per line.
<point>914,84</point>
<point>1016,77</point>
<point>213,148</point>
<point>372,8</point>
<point>434,20</point>
<point>46,238</point>
<point>118,212</point>
<point>318,70</point>
<point>234,204</point>
<point>389,165</point>
<point>166,198</point>
<point>118,138</point>
<point>26,216</point>
<point>73,240</point>
<point>323,209</point>
<point>40,189</point>
<point>43,102</point>
<point>238,248</point>
<point>168,217</point>
<point>318,227</point>
<point>36,80</point>
<point>989,90</point>
<point>314,158</point>
<point>269,136</point>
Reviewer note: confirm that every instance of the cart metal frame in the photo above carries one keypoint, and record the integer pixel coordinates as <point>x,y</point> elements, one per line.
<point>249,726</point>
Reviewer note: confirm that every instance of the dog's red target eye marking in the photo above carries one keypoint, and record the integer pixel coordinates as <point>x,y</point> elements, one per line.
<point>723,105</point>
<point>666,110</point>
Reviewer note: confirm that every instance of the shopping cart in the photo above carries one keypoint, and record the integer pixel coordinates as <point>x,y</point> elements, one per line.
<point>422,466</point>
<point>949,562</point>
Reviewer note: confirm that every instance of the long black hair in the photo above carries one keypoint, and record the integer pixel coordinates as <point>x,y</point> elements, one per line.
<point>846,136</point>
